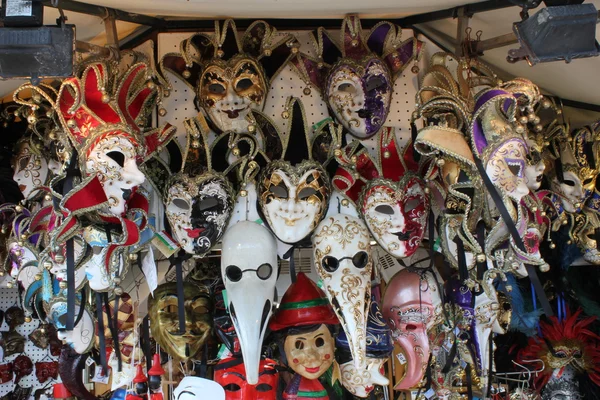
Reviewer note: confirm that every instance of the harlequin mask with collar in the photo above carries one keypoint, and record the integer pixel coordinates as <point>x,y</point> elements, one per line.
<point>293,187</point>
<point>356,72</point>
<point>389,192</point>
<point>231,74</point>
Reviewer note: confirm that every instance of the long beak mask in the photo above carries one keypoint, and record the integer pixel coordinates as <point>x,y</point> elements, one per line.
<point>249,270</point>
<point>342,255</point>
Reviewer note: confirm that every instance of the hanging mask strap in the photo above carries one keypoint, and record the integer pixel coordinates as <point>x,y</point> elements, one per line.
<point>463,272</point>
<point>481,266</point>
<point>101,339</point>
<point>71,173</point>
<point>469,382</point>
<point>289,255</point>
<point>512,229</point>
<point>146,341</point>
<point>113,329</point>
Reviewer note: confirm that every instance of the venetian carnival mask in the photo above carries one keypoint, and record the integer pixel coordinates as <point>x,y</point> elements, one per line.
<point>22,366</point>
<point>6,373</point>
<point>391,197</point>
<point>362,381</point>
<point>99,278</point>
<point>164,314</point>
<point>230,74</point>
<point>231,375</point>
<point>81,338</point>
<point>310,353</point>
<point>342,256</point>
<point>410,307</point>
<point>294,191</point>
<point>101,112</point>
<point>192,388</point>
<point>535,167</point>
<point>356,73</point>
<point>249,271</point>
<point>12,343</point>
<point>574,175</point>
<point>46,370</point>
<point>563,387</point>
<point>29,166</point>
<point>502,150</point>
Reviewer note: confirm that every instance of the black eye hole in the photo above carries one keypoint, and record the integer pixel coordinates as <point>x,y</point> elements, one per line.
<point>360,259</point>
<point>515,169</point>
<point>587,181</point>
<point>244,84</point>
<point>208,203</point>
<point>233,273</point>
<point>375,83</point>
<point>23,163</point>
<point>506,306</point>
<point>320,342</point>
<point>232,387</point>
<point>299,345</point>
<point>561,354</point>
<point>306,193</point>
<point>216,88</point>
<point>569,182</point>
<point>181,203</point>
<point>576,354</point>
<point>264,271</point>
<point>279,191</point>
<point>411,205</point>
<point>330,264</point>
<point>263,387</point>
<point>346,88</point>
<point>170,309</point>
<point>117,156</point>
<point>384,209</point>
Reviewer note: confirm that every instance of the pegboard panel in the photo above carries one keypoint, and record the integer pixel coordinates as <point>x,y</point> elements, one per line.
<point>179,105</point>
<point>9,298</point>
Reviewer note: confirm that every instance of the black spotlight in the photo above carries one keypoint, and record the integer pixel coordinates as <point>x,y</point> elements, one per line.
<point>557,33</point>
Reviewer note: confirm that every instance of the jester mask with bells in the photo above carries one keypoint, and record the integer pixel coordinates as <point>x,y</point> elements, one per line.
<point>389,191</point>
<point>198,195</point>
<point>305,321</point>
<point>356,72</point>
<point>231,75</point>
<point>102,111</point>
<point>342,257</point>
<point>293,188</point>
<point>249,271</point>
<point>562,345</point>
<point>411,307</point>
<point>164,315</point>
<point>361,382</point>
<point>574,174</point>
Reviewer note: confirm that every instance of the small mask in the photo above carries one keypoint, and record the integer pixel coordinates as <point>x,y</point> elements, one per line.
<point>12,343</point>
<point>164,314</point>
<point>81,338</point>
<point>14,316</point>
<point>22,366</point>
<point>29,166</point>
<point>231,375</point>
<point>193,388</point>
<point>342,254</point>
<point>361,381</point>
<point>6,373</point>
<point>294,191</point>
<point>357,71</point>
<point>40,336</point>
<point>310,353</point>
<point>249,271</point>
<point>46,370</point>
<point>412,306</point>
<point>230,74</point>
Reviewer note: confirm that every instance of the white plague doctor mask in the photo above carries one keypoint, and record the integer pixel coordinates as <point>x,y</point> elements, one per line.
<point>249,271</point>
<point>342,256</point>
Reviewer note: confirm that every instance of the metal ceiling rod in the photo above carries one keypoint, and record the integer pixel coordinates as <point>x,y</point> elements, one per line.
<point>99,11</point>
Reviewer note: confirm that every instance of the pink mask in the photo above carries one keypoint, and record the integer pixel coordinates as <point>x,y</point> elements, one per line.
<point>408,308</point>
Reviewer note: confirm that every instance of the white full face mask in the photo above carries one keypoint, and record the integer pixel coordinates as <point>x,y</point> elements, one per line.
<point>535,167</point>
<point>342,257</point>
<point>249,271</point>
<point>506,168</point>
<point>30,170</point>
<point>195,388</point>
<point>81,338</point>
<point>361,382</point>
<point>113,158</point>
<point>293,199</point>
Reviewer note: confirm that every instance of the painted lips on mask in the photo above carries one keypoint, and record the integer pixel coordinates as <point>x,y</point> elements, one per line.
<point>403,236</point>
<point>233,114</point>
<point>194,233</point>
